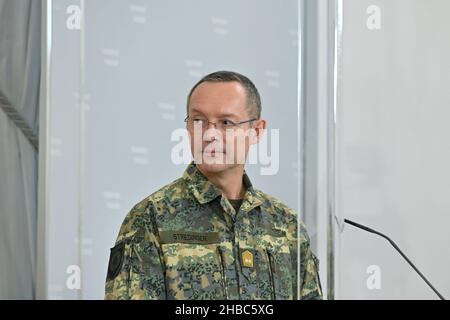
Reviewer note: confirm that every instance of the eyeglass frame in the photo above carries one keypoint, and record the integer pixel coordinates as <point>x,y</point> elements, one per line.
<point>232,126</point>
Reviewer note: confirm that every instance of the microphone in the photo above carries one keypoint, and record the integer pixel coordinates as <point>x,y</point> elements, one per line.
<point>360,226</point>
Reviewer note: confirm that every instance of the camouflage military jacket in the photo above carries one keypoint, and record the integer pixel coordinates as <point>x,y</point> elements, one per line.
<point>186,241</point>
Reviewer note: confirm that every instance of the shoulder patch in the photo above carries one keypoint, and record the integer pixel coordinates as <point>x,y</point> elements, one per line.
<point>116,260</point>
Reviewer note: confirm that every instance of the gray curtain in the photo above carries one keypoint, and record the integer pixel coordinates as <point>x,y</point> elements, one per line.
<point>19,97</point>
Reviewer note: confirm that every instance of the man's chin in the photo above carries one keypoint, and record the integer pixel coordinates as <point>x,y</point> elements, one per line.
<point>213,164</point>
<point>213,167</point>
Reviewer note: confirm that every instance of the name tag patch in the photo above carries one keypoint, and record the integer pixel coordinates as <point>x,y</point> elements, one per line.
<point>181,236</point>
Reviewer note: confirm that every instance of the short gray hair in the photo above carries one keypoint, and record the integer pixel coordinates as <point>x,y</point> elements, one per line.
<point>252,94</point>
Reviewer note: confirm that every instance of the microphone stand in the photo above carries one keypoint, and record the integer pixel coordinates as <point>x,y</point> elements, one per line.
<point>360,226</point>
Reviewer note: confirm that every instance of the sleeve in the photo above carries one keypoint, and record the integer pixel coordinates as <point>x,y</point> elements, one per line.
<point>136,268</point>
<point>309,270</point>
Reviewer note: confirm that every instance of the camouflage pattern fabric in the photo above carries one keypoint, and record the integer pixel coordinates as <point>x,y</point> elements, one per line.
<point>185,241</point>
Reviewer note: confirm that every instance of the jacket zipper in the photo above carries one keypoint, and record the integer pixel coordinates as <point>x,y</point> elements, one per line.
<point>269,258</point>
<point>222,271</point>
<point>163,267</point>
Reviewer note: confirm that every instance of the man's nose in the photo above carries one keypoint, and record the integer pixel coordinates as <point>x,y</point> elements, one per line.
<point>211,133</point>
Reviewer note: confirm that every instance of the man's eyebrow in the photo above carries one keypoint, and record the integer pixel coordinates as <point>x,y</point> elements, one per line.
<point>223,115</point>
<point>226,115</point>
<point>193,110</point>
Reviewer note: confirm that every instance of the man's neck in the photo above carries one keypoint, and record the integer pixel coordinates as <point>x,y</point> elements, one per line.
<point>229,182</point>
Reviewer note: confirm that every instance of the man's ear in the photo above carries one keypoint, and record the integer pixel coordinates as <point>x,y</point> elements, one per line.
<point>257,131</point>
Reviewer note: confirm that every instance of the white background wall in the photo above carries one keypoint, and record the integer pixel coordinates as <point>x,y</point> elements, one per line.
<point>392,148</point>
<point>131,68</point>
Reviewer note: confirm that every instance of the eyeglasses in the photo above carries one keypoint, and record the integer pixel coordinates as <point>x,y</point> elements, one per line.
<point>221,124</point>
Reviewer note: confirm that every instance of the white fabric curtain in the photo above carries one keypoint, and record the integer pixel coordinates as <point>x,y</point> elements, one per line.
<point>19,89</point>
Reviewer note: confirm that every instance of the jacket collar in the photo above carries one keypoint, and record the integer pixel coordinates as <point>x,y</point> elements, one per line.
<point>205,191</point>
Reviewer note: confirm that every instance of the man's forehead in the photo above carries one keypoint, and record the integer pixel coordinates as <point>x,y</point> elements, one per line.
<point>221,87</point>
<point>220,111</point>
<point>224,98</point>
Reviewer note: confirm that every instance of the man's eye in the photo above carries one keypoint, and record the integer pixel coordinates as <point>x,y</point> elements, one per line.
<point>227,122</point>
<point>197,120</point>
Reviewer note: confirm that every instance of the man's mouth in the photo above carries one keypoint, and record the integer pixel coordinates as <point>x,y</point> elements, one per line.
<point>212,153</point>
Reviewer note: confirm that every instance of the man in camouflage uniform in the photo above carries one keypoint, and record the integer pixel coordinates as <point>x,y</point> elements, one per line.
<point>210,234</point>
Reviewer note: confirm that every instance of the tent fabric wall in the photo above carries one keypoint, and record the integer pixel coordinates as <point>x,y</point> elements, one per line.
<point>20,23</point>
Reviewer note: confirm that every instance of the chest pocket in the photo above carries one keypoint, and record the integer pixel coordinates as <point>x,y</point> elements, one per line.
<point>278,267</point>
<point>193,271</point>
